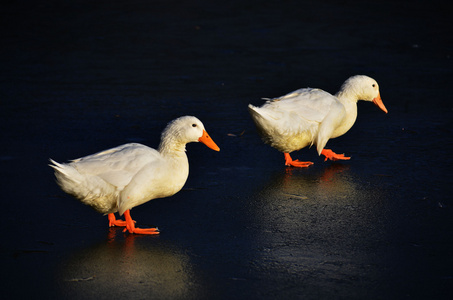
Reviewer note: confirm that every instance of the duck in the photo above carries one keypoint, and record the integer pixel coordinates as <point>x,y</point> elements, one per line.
<point>121,178</point>
<point>311,116</point>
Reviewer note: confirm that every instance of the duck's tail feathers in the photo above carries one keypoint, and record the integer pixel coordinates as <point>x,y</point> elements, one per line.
<point>56,166</point>
<point>253,109</point>
<point>256,115</point>
<point>258,112</point>
<point>67,176</point>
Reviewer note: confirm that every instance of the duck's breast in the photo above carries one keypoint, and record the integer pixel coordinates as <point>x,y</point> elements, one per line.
<point>157,179</point>
<point>348,119</point>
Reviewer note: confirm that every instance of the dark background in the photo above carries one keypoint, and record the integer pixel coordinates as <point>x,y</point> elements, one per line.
<point>78,77</point>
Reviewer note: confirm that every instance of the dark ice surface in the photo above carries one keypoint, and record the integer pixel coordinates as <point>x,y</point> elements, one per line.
<point>81,76</point>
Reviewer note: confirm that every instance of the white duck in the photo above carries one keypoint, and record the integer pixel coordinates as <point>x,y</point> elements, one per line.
<point>118,179</point>
<point>312,116</point>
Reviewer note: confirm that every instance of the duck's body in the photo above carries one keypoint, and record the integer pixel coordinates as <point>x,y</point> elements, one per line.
<point>312,116</point>
<point>110,181</point>
<point>118,179</point>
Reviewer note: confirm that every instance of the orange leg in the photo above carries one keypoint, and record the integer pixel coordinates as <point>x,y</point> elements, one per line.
<point>329,154</point>
<point>114,222</point>
<point>130,226</point>
<point>296,163</point>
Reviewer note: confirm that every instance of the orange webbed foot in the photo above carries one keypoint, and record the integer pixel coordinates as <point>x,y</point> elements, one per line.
<point>329,154</point>
<point>130,226</point>
<point>114,222</point>
<point>296,163</point>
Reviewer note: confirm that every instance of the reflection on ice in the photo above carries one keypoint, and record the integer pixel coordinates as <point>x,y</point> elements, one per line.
<point>318,224</point>
<point>136,267</point>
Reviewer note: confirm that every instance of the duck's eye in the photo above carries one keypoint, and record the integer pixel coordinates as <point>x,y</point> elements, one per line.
<point>374,85</point>
<point>194,125</point>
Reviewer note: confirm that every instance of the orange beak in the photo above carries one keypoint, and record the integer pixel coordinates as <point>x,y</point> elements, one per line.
<point>205,139</point>
<point>379,103</point>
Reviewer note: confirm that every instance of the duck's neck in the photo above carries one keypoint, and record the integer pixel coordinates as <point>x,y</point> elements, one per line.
<point>347,95</point>
<point>170,147</point>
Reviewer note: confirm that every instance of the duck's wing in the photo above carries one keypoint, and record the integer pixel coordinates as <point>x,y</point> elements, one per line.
<point>308,104</point>
<point>313,110</point>
<point>297,111</point>
<point>117,166</point>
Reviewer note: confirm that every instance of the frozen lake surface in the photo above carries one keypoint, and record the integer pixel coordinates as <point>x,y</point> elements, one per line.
<point>80,76</point>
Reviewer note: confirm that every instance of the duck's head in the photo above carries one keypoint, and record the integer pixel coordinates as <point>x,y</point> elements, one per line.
<point>188,129</point>
<point>364,88</point>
